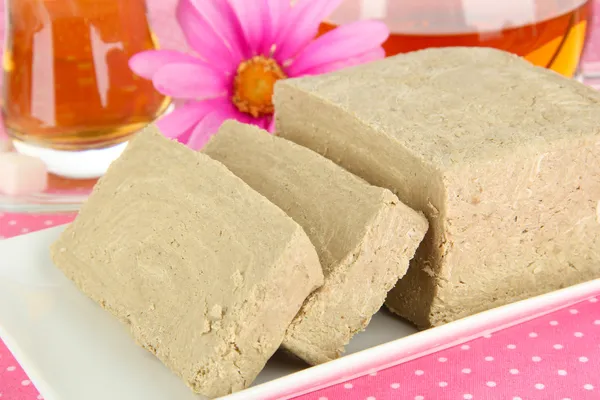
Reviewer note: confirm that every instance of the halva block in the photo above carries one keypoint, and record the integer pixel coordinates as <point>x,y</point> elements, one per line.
<point>503,157</point>
<point>363,234</point>
<point>205,272</point>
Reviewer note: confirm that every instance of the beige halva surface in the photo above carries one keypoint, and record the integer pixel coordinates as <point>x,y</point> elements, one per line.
<point>206,273</point>
<point>503,157</point>
<point>364,235</point>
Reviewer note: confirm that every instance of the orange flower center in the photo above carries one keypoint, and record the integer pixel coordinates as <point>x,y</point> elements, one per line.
<point>253,85</point>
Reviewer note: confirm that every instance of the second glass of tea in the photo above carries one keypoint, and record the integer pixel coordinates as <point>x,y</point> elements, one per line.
<point>69,96</point>
<point>548,33</point>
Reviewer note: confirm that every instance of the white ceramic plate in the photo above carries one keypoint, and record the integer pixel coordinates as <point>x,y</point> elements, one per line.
<point>73,350</point>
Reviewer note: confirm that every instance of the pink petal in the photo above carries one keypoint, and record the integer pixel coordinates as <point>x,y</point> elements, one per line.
<point>302,26</point>
<point>223,110</point>
<point>277,11</point>
<point>271,127</point>
<point>243,117</point>
<point>146,63</point>
<point>253,18</point>
<point>372,55</point>
<point>348,41</point>
<point>204,40</point>
<point>224,21</point>
<point>260,122</point>
<point>190,81</point>
<point>184,138</point>
<point>184,117</point>
<point>206,128</point>
<point>266,121</point>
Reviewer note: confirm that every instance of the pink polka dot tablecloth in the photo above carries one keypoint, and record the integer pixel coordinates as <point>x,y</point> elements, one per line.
<point>553,357</point>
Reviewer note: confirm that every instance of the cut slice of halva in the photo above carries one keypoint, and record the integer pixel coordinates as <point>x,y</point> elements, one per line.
<point>205,272</point>
<point>363,234</point>
<point>503,157</point>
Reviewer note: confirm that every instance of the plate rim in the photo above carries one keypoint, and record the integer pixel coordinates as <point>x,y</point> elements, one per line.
<point>390,354</point>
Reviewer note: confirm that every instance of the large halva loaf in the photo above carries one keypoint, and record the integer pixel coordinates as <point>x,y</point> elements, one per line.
<point>364,235</point>
<point>503,157</point>
<point>206,273</point>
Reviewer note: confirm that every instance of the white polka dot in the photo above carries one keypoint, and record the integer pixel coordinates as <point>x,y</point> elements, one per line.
<point>466,370</point>
<point>419,398</point>
<point>553,323</point>
<point>574,311</point>
<point>419,372</point>
<point>323,398</point>
<point>443,384</point>
<point>48,222</point>
<point>491,384</point>
<point>465,347</point>
<point>562,372</point>
<point>468,396</point>
<point>12,222</point>
<point>558,346</point>
<point>442,359</point>
<point>371,398</point>
<point>597,322</point>
<point>11,368</point>
<point>536,358</point>
<point>26,382</point>
<point>567,398</point>
<point>348,386</point>
<point>24,230</point>
<point>533,335</point>
<point>587,386</point>
<point>395,385</point>
<point>373,373</point>
<point>517,398</point>
<point>578,334</point>
<point>487,335</point>
<point>514,371</point>
<point>540,386</point>
<point>593,300</point>
<point>489,358</point>
<point>583,359</point>
<point>511,347</point>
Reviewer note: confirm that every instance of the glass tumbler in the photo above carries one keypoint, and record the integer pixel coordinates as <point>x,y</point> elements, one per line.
<point>549,33</point>
<point>69,96</point>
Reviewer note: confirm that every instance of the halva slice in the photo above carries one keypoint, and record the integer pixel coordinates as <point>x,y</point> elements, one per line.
<point>503,157</point>
<point>363,234</point>
<point>205,272</point>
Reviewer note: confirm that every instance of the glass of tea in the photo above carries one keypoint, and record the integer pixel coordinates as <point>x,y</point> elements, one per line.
<point>548,33</point>
<point>69,96</point>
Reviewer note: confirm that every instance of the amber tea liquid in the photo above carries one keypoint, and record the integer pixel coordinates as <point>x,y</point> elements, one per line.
<point>67,84</point>
<point>549,33</point>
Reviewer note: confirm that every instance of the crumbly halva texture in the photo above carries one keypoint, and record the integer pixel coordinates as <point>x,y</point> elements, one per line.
<point>205,272</point>
<point>364,235</point>
<point>503,158</point>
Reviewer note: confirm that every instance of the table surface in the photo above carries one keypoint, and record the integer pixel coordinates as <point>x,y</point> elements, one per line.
<point>556,356</point>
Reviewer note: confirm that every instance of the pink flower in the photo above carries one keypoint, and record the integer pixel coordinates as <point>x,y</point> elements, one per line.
<point>242,48</point>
